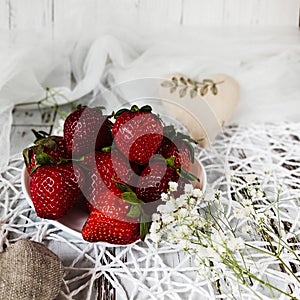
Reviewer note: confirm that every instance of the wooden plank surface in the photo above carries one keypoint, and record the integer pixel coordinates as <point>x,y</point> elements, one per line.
<point>71,17</point>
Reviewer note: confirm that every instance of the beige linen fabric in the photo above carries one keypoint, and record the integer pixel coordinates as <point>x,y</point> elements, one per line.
<point>29,270</point>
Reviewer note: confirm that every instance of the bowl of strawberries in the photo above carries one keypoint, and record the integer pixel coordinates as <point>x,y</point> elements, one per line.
<point>103,179</point>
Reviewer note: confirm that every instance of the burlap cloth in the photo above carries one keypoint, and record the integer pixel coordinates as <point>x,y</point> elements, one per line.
<point>29,270</point>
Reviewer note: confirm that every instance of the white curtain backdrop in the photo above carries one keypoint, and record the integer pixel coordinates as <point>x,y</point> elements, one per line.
<point>265,62</point>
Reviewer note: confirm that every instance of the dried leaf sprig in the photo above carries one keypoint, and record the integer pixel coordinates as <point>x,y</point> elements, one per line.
<point>186,85</point>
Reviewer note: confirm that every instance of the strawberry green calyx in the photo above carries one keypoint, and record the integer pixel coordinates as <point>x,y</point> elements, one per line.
<point>136,209</point>
<point>181,171</point>
<point>189,176</point>
<point>133,109</point>
<point>144,227</point>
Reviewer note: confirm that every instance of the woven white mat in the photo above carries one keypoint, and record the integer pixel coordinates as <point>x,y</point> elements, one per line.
<point>143,271</point>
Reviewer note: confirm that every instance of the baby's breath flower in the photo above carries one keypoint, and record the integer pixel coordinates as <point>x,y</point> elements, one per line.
<point>164,197</point>
<point>155,227</point>
<point>197,193</point>
<point>235,244</point>
<point>181,200</point>
<point>182,213</point>
<point>167,208</point>
<point>243,212</point>
<point>156,237</point>
<point>173,186</point>
<point>167,218</point>
<point>155,217</point>
<point>246,229</point>
<point>188,189</point>
<point>213,254</point>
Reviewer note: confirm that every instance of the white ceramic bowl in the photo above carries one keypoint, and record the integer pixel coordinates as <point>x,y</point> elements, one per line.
<point>74,220</point>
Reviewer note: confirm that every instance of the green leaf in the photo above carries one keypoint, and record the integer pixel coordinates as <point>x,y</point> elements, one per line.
<point>146,108</point>
<point>189,176</point>
<point>166,83</point>
<point>131,198</point>
<point>144,227</point>
<point>47,142</point>
<point>119,112</point>
<point>44,159</point>
<point>193,93</point>
<point>175,80</point>
<point>173,89</point>
<point>214,89</point>
<point>106,149</point>
<point>40,134</point>
<point>191,82</point>
<point>170,161</point>
<point>204,90</point>
<point>182,80</point>
<point>182,92</point>
<point>208,81</point>
<point>134,211</point>
<point>122,186</point>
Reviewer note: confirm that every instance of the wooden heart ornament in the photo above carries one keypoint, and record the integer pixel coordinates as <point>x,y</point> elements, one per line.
<point>203,107</point>
<point>29,270</point>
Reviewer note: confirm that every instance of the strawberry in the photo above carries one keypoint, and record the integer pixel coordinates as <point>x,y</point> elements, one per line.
<point>137,133</point>
<point>100,227</point>
<point>111,203</point>
<point>114,220</point>
<point>105,168</point>
<point>47,149</point>
<point>86,129</point>
<point>177,145</point>
<point>54,189</point>
<point>154,180</point>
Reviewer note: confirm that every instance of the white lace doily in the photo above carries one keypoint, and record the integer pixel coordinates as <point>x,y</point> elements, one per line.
<point>143,271</point>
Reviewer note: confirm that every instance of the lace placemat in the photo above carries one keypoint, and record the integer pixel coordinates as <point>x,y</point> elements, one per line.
<point>145,271</point>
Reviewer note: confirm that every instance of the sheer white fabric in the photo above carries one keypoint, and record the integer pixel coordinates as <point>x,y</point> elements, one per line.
<point>266,63</point>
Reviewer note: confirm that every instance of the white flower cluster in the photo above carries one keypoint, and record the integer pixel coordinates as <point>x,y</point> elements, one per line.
<point>225,237</point>
<point>181,222</point>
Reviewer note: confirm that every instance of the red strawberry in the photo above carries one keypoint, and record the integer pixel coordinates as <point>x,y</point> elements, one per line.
<point>111,203</point>
<point>113,219</point>
<point>46,150</point>
<point>86,129</point>
<point>177,145</point>
<point>100,227</point>
<point>155,180</point>
<point>105,169</point>
<point>137,133</point>
<point>54,189</point>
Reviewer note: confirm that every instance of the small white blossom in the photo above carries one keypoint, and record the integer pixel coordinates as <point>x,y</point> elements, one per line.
<point>167,218</point>
<point>173,186</point>
<point>213,254</point>
<point>155,227</point>
<point>181,201</point>
<point>169,207</point>
<point>246,229</point>
<point>182,213</point>
<point>235,244</point>
<point>197,193</point>
<point>243,212</point>
<point>156,237</point>
<point>164,197</point>
<point>155,217</point>
<point>188,189</point>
